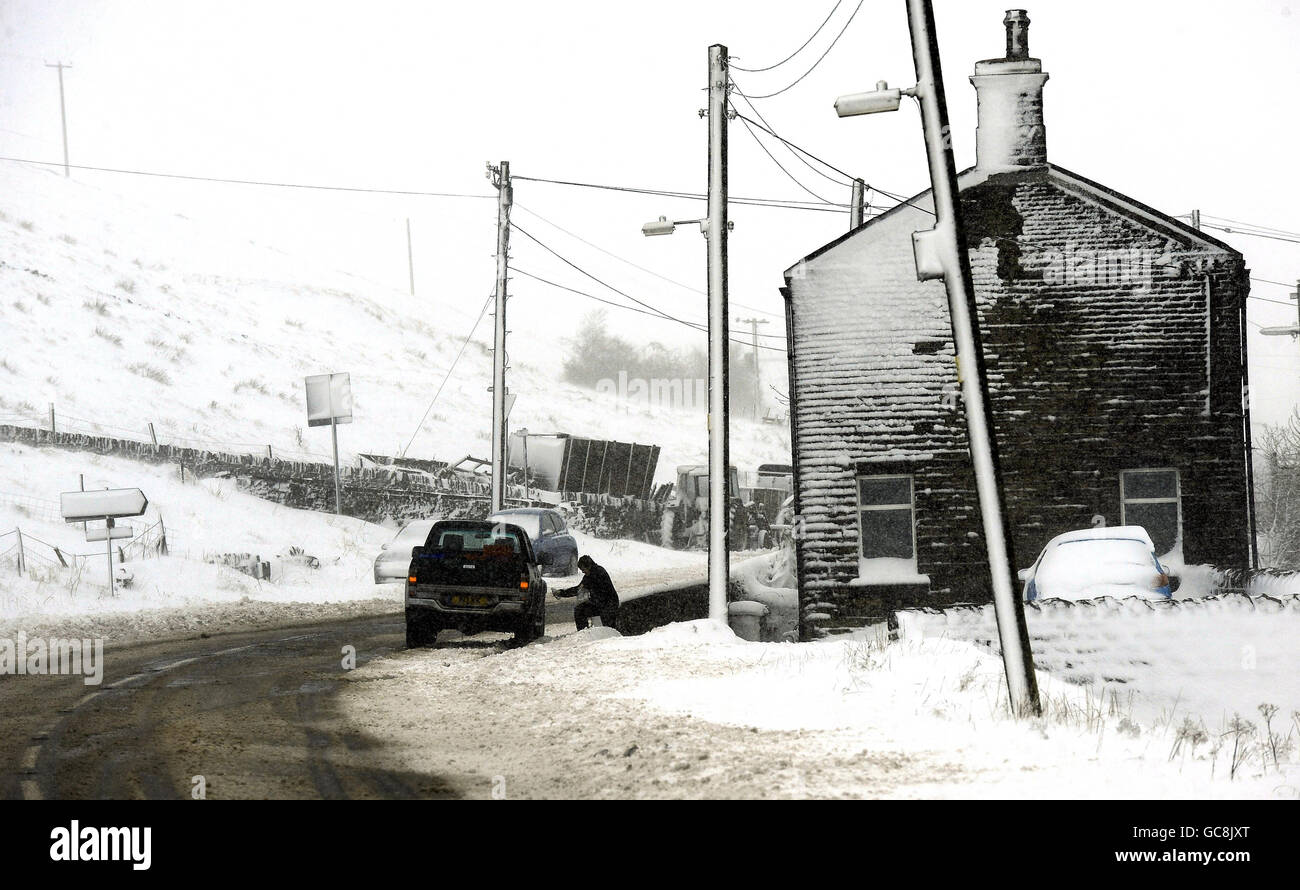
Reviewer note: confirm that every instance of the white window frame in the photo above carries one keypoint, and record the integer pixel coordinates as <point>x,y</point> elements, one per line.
<point>911,506</point>
<point>1177,500</point>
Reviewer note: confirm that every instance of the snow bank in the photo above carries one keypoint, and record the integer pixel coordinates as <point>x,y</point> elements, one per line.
<point>769,579</point>
<point>1210,658</point>
<point>692,711</point>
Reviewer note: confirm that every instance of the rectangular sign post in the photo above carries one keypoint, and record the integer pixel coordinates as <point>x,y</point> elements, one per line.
<point>329,401</point>
<point>109,532</point>
<point>107,504</point>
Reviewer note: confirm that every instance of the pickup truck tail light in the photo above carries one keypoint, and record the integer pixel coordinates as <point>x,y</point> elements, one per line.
<point>523,585</point>
<point>411,579</point>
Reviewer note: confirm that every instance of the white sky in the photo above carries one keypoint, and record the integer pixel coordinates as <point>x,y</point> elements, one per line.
<point>1179,105</point>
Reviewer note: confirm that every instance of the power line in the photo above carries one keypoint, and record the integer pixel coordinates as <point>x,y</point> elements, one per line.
<point>576,267</point>
<point>800,49</point>
<point>1238,222</point>
<point>744,120</point>
<point>779,203</point>
<point>609,253</point>
<point>814,64</point>
<point>1267,281</point>
<point>1267,300</point>
<point>900,199</point>
<point>656,314</point>
<point>797,150</point>
<point>789,146</point>
<point>287,185</point>
<point>447,376</point>
<point>1255,234</point>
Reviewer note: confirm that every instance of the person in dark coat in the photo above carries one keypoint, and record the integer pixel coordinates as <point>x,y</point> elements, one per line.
<point>601,598</point>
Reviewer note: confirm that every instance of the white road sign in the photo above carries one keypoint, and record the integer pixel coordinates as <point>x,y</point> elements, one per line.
<point>116,533</point>
<point>329,397</point>
<point>81,506</point>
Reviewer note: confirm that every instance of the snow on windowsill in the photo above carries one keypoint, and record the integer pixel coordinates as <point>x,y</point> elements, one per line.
<point>887,570</point>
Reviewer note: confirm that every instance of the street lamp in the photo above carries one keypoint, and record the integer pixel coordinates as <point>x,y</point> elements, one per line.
<point>940,252</point>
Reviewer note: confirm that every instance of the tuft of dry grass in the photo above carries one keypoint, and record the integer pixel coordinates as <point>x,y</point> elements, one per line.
<point>254,384</point>
<point>109,336</point>
<point>158,375</point>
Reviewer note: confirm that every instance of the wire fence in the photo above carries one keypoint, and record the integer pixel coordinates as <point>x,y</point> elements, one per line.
<point>33,557</point>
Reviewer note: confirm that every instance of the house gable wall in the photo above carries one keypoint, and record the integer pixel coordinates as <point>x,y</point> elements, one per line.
<point>1096,337</point>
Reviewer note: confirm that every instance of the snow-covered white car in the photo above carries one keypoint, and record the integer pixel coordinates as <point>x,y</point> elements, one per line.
<point>1089,563</point>
<point>395,557</point>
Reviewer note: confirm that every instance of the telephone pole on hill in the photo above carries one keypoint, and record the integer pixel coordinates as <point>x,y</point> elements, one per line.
<point>63,114</point>
<point>753,333</point>
<point>500,177</point>
<point>410,256</point>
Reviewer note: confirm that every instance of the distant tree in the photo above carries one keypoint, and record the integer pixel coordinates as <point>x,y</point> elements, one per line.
<point>595,354</point>
<point>1277,494</point>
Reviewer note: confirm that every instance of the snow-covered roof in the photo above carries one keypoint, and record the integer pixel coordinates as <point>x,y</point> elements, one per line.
<point>1079,186</point>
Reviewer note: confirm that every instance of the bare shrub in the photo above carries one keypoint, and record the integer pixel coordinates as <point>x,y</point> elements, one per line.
<point>1277,494</point>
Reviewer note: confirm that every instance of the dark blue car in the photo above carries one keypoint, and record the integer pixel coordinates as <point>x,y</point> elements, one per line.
<point>557,551</point>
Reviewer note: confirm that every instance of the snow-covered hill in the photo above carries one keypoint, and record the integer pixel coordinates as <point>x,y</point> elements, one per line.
<point>122,315</point>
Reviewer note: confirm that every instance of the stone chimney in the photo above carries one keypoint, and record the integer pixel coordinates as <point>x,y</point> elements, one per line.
<point>1010,135</point>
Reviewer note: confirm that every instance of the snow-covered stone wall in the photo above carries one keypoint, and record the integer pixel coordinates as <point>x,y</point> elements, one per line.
<point>1211,657</point>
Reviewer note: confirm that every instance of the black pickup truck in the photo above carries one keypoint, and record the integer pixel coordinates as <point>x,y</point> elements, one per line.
<point>474,575</point>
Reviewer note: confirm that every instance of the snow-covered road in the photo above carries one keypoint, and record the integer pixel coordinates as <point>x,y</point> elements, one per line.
<point>691,711</point>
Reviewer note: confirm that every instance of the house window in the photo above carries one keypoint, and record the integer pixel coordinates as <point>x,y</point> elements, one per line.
<point>885,518</point>
<point>1152,499</point>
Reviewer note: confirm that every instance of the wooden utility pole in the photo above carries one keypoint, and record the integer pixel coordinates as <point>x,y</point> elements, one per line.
<point>505,197</point>
<point>857,207</point>
<point>719,409</point>
<point>63,114</point>
<point>758,389</point>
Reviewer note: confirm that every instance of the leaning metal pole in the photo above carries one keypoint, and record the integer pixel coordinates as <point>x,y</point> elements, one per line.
<point>948,243</point>
<point>719,414</point>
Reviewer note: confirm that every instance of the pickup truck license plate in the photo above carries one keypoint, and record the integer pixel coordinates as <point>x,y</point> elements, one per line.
<point>467,600</point>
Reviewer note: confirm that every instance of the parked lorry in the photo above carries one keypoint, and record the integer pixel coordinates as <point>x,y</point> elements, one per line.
<point>685,519</point>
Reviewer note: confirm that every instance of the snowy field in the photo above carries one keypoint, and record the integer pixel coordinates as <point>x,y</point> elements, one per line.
<point>691,711</point>
<point>123,314</point>
<point>206,518</point>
